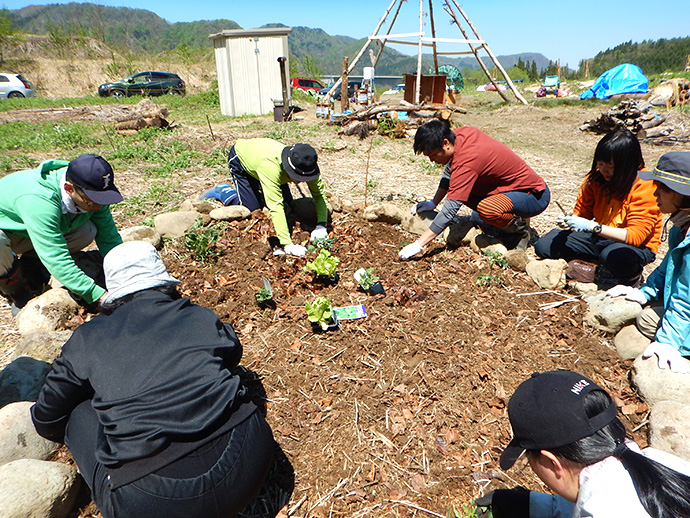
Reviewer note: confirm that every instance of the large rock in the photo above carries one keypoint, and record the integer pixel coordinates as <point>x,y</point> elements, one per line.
<point>548,274</point>
<point>485,243</point>
<point>610,314</point>
<point>517,260</point>
<point>143,233</point>
<point>668,428</point>
<point>630,343</point>
<point>583,289</point>
<point>22,380</point>
<point>18,437</point>
<point>417,223</point>
<point>202,206</point>
<point>47,312</point>
<point>230,213</point>
<point>42,345</point>
<point>37,489</point>
<point>385,212</point>
<point>175,224</point>
<point>655,384</point>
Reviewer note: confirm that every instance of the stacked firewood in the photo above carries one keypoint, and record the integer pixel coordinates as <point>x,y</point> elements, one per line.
<point>399,120</point>
<point>638,116</point>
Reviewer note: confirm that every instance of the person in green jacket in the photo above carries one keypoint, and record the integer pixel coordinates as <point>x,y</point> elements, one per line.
<point>49,212</point>
<point>262,169</point>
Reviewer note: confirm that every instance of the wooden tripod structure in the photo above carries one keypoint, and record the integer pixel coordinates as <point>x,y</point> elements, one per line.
<point>457,14</point>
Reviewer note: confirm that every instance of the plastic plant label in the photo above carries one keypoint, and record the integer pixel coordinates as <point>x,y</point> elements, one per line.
<point>351,312</point>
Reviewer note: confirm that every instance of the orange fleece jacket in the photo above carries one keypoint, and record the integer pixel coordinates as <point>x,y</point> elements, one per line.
<point>638,213</point>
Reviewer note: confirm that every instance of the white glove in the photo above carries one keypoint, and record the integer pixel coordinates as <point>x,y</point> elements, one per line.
<point>579,224</point>
<point>410,250</point>
<point>560,219</point>
<point>320,232</point>
<point>422,206</point>
<point>669,357</point>
<point>630,293</point>
<point>296,250</point>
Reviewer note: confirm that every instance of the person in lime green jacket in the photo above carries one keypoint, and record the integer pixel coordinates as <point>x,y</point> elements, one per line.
<point>262,169</point>
<point>51,211</point>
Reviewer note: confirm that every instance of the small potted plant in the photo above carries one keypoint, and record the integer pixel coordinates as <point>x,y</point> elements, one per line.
<point>369,282</point>
<point>264,297</point>
<point>324,267</point>
<point>321,315</point>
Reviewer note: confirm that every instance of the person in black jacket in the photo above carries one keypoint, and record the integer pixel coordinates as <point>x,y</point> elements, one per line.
<point>143,397</point>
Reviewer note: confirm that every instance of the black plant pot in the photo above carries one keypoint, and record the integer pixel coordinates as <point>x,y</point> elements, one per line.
<point>327,281</point>
<point>270,303</point>
<point>316,327</point>
<point>377,289</point>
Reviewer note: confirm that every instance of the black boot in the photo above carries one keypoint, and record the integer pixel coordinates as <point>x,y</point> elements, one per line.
<point>15,288</point>
<point>517,234</point>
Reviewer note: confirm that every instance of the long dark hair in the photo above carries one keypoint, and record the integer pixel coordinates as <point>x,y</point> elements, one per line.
<point>663,492</point>
<point>623,149</point>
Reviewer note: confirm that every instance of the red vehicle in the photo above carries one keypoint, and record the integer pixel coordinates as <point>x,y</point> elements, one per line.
<point>305,84</point>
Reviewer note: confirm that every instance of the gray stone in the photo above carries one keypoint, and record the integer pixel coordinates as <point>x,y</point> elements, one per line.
<point>655,384</point>
<point>486,243</point>
<point>610,314</point>
<point>517,260</point>
<point>42,345</point>
<point>417,223</point>
<point>175,224</point>
<point>385,212</point>
<point>143,233</point>
<point>630,343</point>
<point>18,437</point>
<point>335,204</point>
<point>47,312</point>
<point>230,213</point>
<point>37,489</point>
<point>198,205</point>
<point>548,274</point>
<point>668,428</point>
<point>583,289</point>
<point>22,380</point>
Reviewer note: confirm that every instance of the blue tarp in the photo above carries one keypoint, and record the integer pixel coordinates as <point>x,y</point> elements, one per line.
<point>623,79</point>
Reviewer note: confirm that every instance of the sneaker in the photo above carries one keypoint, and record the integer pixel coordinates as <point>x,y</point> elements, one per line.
<point>581,271</point>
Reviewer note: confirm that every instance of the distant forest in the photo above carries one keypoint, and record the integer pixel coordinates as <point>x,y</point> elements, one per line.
<point>313,52</point>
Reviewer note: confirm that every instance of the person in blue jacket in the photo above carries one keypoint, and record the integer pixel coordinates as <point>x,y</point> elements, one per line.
<point>665,318</point>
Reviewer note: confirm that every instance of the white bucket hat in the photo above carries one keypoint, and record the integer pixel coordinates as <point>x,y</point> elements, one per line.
<point>134,266</point>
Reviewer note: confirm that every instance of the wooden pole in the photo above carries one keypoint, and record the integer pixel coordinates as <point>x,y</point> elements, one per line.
<point>418,86</point>
<point>344,99</point>
<point>491,55</point>
<point>382,43</point>
<point>433,35</point>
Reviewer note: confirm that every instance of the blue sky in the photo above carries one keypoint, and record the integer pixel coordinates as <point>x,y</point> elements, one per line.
<point>569,31</point>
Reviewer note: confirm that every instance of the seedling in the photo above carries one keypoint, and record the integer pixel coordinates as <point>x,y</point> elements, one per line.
<point>324,265</point>
<point>366,278</point>
<point>320,312</point>
<point>484,279</point>
<point>496,259</point>
<point>263,295</point>
<point>202,243</point>
<point>325,243</point>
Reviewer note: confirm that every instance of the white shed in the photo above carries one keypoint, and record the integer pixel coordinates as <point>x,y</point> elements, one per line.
<point>248,69</point>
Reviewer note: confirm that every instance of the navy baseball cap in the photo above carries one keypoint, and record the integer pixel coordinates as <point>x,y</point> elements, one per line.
<point>94,176</point>
<point>547,411</point>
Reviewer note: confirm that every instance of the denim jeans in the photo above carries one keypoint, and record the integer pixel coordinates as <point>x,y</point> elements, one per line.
<point>222,491</point>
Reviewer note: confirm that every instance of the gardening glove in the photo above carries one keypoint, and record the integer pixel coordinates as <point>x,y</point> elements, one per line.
<point>296,250</point>
<point>578,224</point>
<point>422,206</point>
<point>503,503</point>
<point>410,250</point>
<point>630,293</point>
<point>560,219</point>
<point>669,357</point>
<point>320,232</point>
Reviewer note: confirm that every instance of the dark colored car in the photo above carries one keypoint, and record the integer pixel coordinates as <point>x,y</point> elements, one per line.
<point>352,87</point>
<point>144,83</point>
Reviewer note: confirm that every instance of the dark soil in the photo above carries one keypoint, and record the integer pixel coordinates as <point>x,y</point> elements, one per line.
<point>405,408</point>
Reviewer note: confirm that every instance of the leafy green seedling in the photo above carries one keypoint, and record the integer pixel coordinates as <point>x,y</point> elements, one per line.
<point>496,259</point>
<point>320,311</point>
<point>326,243</point>
<point>202,243</point>
<point>484,279</point>
<point>324,265</point>
<point>366,278</point>
<point>263,295</point>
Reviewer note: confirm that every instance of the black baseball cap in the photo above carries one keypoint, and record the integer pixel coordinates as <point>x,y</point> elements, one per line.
<point>673,170</point>
<point>299,162</point>
<point>94,176</point>
<point>547,411</point>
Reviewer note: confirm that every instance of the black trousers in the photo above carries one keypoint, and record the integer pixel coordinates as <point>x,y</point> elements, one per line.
<point>249,188</point>
<point>218,480</point>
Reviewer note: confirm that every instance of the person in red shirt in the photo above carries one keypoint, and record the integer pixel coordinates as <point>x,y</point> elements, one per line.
<point>483,174</point>
<point>615,224</point>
